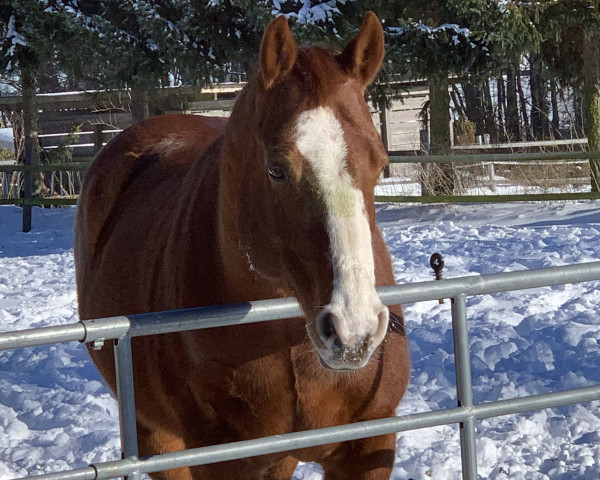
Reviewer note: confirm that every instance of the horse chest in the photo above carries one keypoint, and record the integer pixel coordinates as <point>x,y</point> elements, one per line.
<point>270,395</point>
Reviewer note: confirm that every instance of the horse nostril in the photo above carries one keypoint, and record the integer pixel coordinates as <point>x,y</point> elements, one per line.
<point>327,327</point>
<point>327,330</point>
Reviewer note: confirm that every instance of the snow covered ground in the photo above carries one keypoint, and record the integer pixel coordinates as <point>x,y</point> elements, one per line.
<point>55,413</point>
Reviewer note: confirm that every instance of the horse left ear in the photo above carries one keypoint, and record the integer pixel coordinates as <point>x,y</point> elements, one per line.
<point>362,57</point>
<point>277,52</point>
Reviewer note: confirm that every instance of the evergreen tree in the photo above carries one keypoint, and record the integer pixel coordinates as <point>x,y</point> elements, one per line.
<point>33,33</point>
<point>571,30</point>
<point>143,44</point>
<point>471,39</point>
<point>434,40</point>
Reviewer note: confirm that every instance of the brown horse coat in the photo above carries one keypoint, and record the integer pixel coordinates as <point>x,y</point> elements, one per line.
<point>184,211</point>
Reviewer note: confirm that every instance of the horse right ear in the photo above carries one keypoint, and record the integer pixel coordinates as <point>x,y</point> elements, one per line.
<point>277,52</point>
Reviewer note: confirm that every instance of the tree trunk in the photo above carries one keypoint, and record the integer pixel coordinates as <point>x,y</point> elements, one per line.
<point>488,105</point>
<point>474,106</point>
<point>501,88</point>
<point>555,130</point>
<point>591,61</point>
<point>140,109</point>
<point>512,107</point>
<point>383,122</point>
<point>440,176</point>
<point>539,109</point>
<point>578,114</point>
<point>523,103</point>
<point>458,102</point>
<point>32,183</point>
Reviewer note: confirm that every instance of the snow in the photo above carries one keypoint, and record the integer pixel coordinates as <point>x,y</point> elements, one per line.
<point>13,35</point>
<point>14,38</point>
<point>457,32</point>
<point>55,412</point>
<point>305,12</point>
<point>444,27</point>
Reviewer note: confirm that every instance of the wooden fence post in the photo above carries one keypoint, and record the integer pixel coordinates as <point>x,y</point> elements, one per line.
<point>32,155</point>
<point>385,138</point>
<point>424,144</point>
<point>98,137</point>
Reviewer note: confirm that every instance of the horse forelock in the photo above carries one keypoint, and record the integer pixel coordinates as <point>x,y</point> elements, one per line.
<point>318,72</point>
<point>315,76</point>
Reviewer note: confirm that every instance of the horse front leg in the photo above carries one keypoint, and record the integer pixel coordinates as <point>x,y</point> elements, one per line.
<point>283,470</point>
<point>365,459</point>
<point>154,441</point>
<point>259,468</point>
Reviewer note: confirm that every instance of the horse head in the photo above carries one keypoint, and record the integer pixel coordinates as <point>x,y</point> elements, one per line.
<point>306,215</point>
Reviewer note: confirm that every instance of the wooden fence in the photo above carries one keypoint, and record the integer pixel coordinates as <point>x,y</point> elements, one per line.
<point>493,159</point>
<point>87,120</point>
<point>73,127</point>
<point>81,166</point>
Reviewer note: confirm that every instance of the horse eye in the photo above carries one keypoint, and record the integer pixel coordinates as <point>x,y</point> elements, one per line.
<point>277,172</point>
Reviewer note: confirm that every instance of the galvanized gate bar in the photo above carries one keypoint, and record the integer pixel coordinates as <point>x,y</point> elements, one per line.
<point>123,328</point>
<point>464,388</point>
<point>264,310</point>
<point>292,441</point>
<point>512,406</point>
<point>108,328</point>
<point>214,316</point>
<point>485,284</point>
<point>41,336</point>
<point>126,397</point>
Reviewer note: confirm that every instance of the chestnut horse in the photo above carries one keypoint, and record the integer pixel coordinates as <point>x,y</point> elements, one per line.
<point>183,211</point>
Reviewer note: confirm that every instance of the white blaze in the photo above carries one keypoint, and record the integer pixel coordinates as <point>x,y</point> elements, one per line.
<point>320,140</point>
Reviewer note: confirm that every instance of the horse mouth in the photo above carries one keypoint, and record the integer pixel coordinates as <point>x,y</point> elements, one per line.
<point>344,358</point>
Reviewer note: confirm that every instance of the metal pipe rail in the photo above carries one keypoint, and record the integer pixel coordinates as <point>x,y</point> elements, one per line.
<point>80,166</point>
<point>264,310</point>
<point>122,329</point>
<point>493,157</point>
<point>292,441</point>
<point>519,197</point>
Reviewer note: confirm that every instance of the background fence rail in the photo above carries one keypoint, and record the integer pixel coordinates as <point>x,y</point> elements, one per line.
<point>83,164</point>
<point>125,327</point>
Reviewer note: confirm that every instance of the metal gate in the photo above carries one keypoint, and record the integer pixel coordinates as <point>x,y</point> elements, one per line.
<point>121,329</point>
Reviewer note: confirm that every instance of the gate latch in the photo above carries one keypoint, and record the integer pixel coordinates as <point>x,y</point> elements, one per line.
<point>436,261</point>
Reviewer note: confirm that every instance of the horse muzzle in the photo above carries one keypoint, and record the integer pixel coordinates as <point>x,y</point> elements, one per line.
<point>347,342</point>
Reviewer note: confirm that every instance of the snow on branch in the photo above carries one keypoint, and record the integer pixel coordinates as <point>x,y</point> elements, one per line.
<point>304,12</point>
<point>451,30</point>
<point>14,37</point>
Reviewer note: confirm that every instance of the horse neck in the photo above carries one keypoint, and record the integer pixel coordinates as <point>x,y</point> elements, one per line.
<point>239,148</point>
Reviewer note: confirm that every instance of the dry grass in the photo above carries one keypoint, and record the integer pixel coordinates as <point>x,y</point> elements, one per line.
<point>477,177</point>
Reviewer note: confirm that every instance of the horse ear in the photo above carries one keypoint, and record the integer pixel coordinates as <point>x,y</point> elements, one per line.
<point>277,52</point>
<point>362,57</point>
